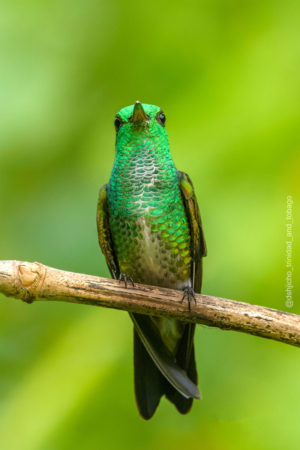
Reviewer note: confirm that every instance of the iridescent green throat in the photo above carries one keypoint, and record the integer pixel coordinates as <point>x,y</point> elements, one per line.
<point>144,180</point>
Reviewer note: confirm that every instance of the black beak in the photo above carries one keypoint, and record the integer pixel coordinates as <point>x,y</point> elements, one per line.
<point>139,113</point>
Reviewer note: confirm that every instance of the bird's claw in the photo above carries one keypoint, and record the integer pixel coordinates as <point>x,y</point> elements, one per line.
<point>189,293</point>
<point>124,277</point>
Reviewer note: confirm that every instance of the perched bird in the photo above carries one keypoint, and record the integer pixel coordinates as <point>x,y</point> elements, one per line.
<point>149,229</point>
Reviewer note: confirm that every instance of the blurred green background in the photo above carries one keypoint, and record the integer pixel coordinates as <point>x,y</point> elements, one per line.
<point>226,73</point>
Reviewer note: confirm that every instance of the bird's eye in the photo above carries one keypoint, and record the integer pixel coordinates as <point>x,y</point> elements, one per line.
<point>118,123</point>
<point>161,118</point>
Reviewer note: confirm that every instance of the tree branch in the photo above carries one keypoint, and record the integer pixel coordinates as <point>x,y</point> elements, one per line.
<point>35,281</point>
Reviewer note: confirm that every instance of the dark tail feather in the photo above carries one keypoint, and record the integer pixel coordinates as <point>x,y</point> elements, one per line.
<point>150,384</point>
<point>164,360</point>
<point>148,381</point>
<point>186,359</point>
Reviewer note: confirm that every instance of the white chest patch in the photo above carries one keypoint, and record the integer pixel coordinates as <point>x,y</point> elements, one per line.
<point>153,257</point>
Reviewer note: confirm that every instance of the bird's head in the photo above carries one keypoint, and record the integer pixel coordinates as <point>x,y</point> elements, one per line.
<point>140,126</point>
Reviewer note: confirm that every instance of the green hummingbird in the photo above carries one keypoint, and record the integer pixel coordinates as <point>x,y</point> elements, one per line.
<point>150,231</point>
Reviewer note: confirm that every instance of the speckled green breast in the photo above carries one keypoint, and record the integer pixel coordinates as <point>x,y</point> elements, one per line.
<point>147,219</point>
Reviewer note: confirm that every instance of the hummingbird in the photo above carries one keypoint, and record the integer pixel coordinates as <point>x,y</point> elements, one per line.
<point>150,231</point>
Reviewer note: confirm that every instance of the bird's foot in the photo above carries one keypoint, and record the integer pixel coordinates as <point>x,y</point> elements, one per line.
<point>189,293</point>
<point>124,277</point>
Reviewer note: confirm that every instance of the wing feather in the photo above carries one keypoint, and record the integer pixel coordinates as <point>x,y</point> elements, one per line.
<point>198,245</point>
<point>104,234</point>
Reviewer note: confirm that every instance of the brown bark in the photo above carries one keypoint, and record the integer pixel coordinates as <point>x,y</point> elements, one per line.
<point>34,281</point>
